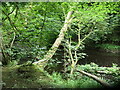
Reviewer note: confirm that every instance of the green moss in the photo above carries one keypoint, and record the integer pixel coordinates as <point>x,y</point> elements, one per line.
<point>23,76</point>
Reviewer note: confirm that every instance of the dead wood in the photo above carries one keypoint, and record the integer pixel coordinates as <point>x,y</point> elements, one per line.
<point>103,83</point>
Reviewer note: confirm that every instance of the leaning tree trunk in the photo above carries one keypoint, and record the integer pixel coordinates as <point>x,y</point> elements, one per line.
<point>57,42</point>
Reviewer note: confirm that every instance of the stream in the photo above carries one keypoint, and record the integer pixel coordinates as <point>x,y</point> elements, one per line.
<point>100,57</point>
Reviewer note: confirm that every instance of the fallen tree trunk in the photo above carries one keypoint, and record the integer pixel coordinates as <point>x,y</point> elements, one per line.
<point>57,42</point>
<point>103,83</point>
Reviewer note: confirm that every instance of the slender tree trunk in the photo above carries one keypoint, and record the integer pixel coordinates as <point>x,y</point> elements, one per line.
<point>57,42</point>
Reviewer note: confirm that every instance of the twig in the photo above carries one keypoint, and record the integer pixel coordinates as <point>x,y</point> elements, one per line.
<point>11,23</point>
<point>12,41</point>
<point>9,14</point>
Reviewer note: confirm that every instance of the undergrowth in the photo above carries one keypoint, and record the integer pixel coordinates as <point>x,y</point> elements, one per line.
<point>29,78</point>
<point>77,80</point>
<point>81,82</point>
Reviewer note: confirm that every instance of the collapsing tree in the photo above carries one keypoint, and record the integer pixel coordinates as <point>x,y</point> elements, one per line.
<point>57,42</point>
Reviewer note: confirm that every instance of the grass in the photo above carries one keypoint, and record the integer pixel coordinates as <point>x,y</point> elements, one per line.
<point>13,79</point>
<point>82,82</point>
<point>36,78</point>
<point>26,77</point>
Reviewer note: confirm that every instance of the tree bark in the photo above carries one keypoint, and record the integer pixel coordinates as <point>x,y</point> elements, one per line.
<point>57,42</point>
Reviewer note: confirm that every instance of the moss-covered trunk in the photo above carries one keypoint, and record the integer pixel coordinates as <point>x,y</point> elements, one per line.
<point>57,42</point>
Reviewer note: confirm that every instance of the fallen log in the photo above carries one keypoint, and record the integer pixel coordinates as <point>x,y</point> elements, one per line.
<point>103,83</point>
<point>103,72</point>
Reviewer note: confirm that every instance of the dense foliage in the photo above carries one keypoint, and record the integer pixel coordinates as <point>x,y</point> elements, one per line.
<point>29,29</point>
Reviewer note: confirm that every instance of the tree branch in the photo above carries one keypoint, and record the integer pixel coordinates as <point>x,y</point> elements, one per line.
<point>11,23</point>
<point>12,40</point>
<point>9,14</point>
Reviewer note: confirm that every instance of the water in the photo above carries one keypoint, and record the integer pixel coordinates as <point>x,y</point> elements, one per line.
<point>102,58</point>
